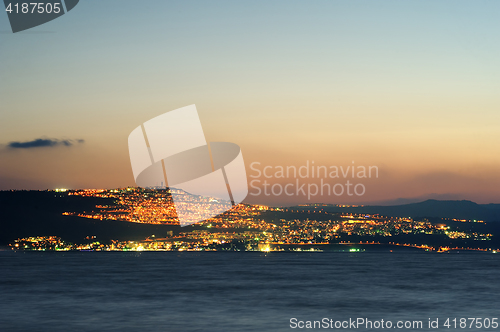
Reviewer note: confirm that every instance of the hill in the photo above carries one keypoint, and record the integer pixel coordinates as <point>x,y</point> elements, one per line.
<point>431,208</point>
<point>39,213</point>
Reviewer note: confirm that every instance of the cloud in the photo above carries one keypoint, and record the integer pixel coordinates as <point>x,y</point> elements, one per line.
<point>43,142</point>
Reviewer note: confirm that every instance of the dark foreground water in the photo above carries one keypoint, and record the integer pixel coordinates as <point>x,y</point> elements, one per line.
<point>215,291</point>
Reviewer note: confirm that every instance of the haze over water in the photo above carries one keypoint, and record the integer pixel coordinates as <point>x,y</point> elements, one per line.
<point>188,291</point>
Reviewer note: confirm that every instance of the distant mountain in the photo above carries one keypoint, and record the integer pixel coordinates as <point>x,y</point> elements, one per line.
<point>429,208</point>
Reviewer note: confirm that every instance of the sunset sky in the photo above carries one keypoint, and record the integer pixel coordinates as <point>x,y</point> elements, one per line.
<point>412,87</point>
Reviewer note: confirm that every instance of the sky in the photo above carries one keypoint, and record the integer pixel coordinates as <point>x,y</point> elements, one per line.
<point>411,87</point>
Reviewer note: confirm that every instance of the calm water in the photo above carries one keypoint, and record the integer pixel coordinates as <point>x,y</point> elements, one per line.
<point>169,291</point>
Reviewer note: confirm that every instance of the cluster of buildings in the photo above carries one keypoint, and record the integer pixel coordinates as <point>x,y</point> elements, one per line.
<point>243,227</point>
<point>155,206</point>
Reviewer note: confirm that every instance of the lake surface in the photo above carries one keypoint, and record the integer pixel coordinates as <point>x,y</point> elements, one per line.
<point>240,291</point>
